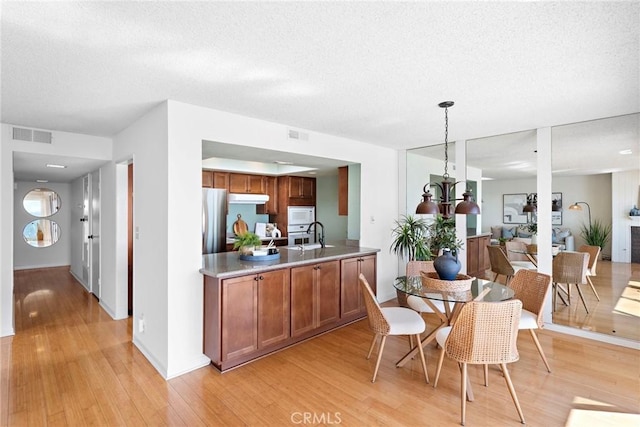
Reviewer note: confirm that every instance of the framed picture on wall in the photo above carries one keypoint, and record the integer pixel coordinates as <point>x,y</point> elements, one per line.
<point>556,216</point>
<point>512,205</point>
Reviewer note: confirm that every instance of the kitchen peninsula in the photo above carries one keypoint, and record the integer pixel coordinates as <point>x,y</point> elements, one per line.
<point>253,308</point>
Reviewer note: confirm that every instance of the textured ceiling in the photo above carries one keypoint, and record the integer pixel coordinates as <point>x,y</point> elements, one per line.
<point>369,71</point>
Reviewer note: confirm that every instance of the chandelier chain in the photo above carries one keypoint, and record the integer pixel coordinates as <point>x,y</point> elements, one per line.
<point>446,143</point>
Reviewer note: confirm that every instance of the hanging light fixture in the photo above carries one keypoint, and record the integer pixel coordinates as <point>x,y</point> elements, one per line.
<point>427,206</point>
<point>532,204</point>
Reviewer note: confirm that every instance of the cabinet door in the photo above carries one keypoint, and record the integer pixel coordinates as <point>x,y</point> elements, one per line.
<point>271,189</point>
<point>207,179</point>
<point>295,186</point>
<point>239,316</point>
<point>303,299</point>
<point>484,255</point>
<point>237,183</point>
<point>472,256</point>
<point>255,184</point>
<point>352,301</point>
<point>308,188</point>
<point>273,307</point>
<point>328,292</point>
<point>221,180</point>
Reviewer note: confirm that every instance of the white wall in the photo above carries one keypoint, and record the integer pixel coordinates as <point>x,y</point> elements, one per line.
<point>59,254</point>
<point>76,202</point>
<point>625,187</point>
<point>177,211</point>
<point>64,144</point>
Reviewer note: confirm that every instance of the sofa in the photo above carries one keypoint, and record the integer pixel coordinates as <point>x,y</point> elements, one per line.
<point>561,237</point>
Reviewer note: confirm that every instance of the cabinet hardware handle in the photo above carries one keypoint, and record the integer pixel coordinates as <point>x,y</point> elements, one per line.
<point>256,278</point>
<point>261,278</point>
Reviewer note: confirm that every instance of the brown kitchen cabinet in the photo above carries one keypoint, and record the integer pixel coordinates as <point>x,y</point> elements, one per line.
<point>297,190</point>
<point>478,256</point>
<point>215,179</point>
<point>351,299</point>
<point>315,296</point>
<point>270,189</point>
<point>255,313</point>
<point>246,183</point>
<point>343,190</point>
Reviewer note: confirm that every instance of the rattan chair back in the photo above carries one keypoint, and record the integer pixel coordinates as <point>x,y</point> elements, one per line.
<point>415,267</point>
<point>532,249</point>
<point>531,288</point>
<point>570,267</point>
<point>377,322</point>
<point>499,262</point>
<point>485,333</point>
<point>594,254</point>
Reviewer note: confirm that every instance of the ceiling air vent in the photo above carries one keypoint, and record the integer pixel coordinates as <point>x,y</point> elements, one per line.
<point>295,134</point>
<point>31,135</point>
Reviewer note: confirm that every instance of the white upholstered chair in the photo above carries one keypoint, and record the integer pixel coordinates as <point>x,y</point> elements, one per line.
<point>385,321</point>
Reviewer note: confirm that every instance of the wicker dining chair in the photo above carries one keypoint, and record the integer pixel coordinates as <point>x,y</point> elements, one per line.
<point>531,288</point>
<point>385,321</point>
<point>569,268</point>
<point>500,264</point>
<point>594,254</point>
<point>485,333</point>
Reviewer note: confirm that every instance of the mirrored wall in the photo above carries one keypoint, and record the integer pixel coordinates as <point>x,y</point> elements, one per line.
<point>596,165</point>
<point>41,203</point>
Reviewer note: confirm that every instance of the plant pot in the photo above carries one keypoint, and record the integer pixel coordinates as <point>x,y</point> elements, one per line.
<point>447,266</point>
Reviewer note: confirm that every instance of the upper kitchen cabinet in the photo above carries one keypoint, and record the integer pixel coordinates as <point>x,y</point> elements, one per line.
<point>246,183</point>
<point>299,191</point>
<point>215,179</point>
<point>271,189</point>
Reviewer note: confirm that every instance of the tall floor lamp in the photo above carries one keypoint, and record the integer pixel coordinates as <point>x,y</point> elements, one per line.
<point>577,207</point>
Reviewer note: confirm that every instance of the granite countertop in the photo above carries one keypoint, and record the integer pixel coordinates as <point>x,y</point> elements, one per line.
<point>228,264</point>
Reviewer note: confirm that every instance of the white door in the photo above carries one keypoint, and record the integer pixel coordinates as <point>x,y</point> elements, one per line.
<point>95,233</point>
<point>86,248</point>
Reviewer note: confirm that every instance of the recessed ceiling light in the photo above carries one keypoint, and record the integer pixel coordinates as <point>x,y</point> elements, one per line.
<point>312,173</point>
<point>42,180</point>
<point>280,162</point>
<point>624,152</point>
<point>52,165</point>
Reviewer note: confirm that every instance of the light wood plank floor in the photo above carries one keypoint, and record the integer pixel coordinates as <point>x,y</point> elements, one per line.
<point>71,364</point>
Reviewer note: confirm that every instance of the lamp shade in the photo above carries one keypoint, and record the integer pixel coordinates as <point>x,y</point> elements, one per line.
<point>427,206</point>
<point>467,206</point>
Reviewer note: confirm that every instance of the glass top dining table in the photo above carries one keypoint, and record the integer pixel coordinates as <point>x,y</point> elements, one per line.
<point>489,291</point>
<point>481,290</point>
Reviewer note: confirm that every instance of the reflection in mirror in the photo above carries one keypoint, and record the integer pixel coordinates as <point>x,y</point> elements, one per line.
<point>425,165</point>
<point>42,202</point>
<point>597,163</point>
<point>41,233</point>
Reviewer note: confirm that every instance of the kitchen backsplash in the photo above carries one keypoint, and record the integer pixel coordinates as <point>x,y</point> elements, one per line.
<point>249,216</point>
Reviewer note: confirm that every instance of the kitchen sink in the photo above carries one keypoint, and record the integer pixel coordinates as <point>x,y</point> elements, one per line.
<point>308,247</point>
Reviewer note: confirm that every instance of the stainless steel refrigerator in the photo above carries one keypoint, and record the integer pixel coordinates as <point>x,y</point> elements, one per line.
<point>214,220</point>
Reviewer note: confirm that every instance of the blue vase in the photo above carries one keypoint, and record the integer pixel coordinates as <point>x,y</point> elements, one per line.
<point>447,266</point>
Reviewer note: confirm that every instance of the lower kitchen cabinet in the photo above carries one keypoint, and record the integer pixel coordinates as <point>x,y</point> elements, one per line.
<point>315,296</point>
<point>477,255</point>
<point>351,299</point>
<point>249,316</point>
<point>255,312</point>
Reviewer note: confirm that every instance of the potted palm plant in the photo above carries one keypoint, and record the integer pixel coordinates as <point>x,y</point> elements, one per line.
<point>246,242</point>
<point>596,233</point>
<point>410,243</point>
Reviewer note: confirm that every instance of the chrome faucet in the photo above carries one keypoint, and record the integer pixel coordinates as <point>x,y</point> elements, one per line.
<point>321,238</point>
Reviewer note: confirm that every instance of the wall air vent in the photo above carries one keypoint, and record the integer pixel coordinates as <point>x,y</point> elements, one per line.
<point>295,134</point>
<point>31,135</point>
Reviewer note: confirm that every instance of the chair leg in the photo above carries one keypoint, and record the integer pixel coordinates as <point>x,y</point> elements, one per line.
<point>512,390</point>
<point>593,288</point>
<point>582,297</point>
<point>463,393</point>
<point>424,363</point>
<point>375,372</point>
<point>486,375</point>
<point>440,360</point>
<point>373,343</point>
<point>539,347</point>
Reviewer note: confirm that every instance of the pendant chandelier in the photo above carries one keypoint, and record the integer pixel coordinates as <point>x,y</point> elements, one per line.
<point>532,204</point>
<point>445,206</point>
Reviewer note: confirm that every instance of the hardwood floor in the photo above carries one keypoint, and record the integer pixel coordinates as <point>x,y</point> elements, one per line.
<point>71,364</point>
<point>618,311</point>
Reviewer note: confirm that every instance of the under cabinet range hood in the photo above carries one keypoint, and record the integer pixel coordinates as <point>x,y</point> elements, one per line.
<point>248,199</point>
